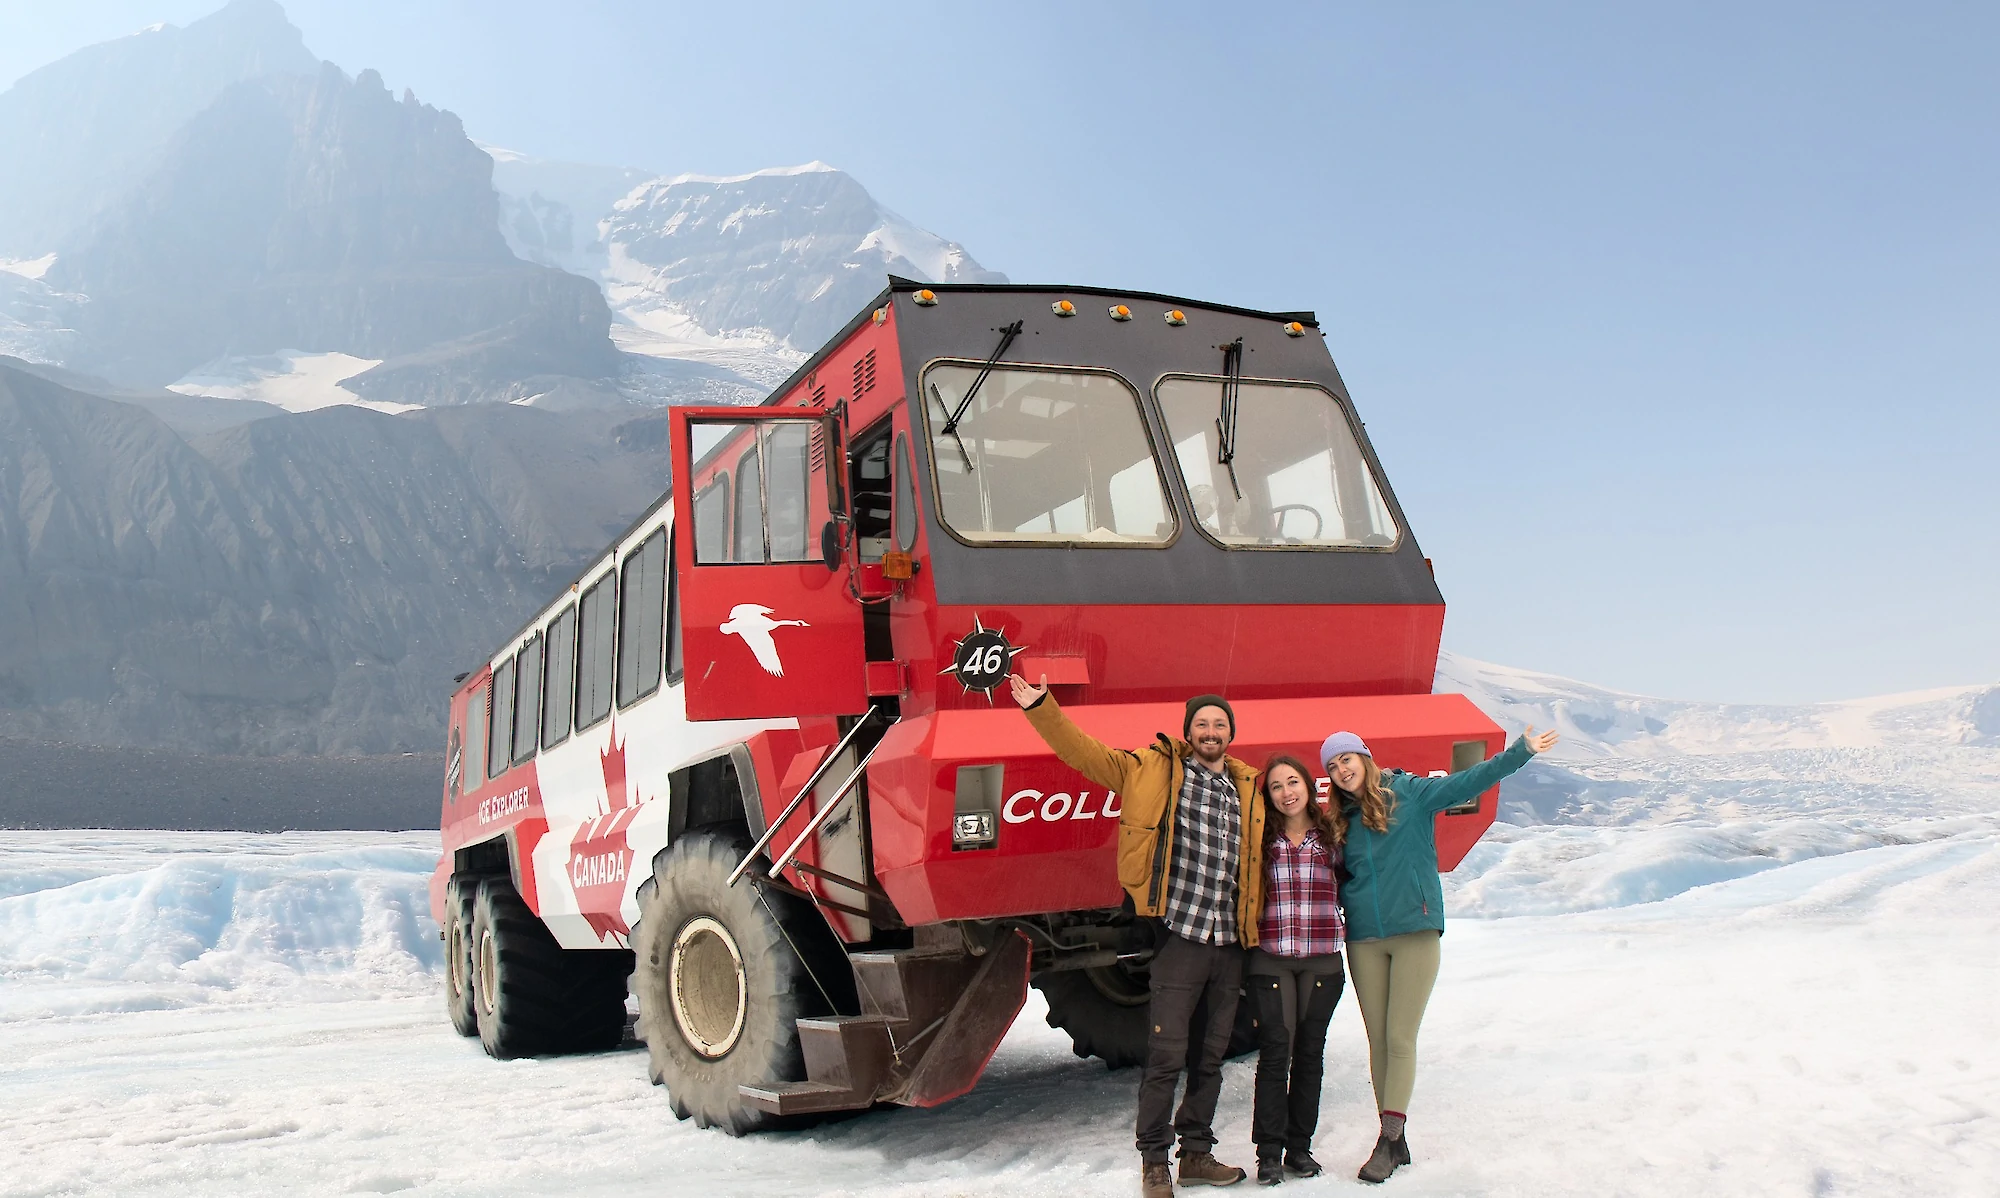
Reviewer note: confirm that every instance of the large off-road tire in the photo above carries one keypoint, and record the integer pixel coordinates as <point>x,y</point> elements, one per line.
<point>531,997</point>
<point>461,895</point>
<point>721,984</point>
<point>1105,1013</point>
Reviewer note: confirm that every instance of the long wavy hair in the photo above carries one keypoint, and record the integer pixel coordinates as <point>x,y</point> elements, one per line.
<point>1332,829</point>
<point>1376,802</point>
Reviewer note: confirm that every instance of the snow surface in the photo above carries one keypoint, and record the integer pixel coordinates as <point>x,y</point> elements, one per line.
<point>814,167</point>
<point>1694,974</point>
<point>295,380</point>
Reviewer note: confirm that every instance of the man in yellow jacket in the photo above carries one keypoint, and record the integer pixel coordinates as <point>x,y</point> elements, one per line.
<point>1190,854</point>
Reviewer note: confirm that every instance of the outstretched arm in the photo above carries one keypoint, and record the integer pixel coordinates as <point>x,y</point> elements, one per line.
<point>1461,787</point>
<point>1095,760</point>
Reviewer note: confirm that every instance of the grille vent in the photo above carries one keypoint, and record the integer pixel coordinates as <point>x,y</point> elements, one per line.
<point>864,374</point>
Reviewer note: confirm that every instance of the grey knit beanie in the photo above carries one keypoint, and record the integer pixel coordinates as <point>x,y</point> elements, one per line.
<point>1342,742</point>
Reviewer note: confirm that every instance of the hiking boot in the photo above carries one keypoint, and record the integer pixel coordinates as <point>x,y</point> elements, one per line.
<point>1403,1149</point>
<point>1202,1169</point>
<point>1301,1164</point>
<point>1382,1162</point>
<point>1156,1180</point>
<point>1269,1173</point>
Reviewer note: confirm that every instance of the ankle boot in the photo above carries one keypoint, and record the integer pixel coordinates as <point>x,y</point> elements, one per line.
<point>1382,1162</point>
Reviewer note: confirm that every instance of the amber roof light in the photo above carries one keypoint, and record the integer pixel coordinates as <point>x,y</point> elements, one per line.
<point>926,297</point>
<point>1295,329</point>
<point>1063,308</point>
<point>1120,312</point>
<point>1176,317</point>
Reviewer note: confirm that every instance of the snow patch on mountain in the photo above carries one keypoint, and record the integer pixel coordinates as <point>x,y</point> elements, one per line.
<point>294,380</point>
<point>732,278</point>
<point>37,322</point>
<point>805,168</point>
<point>28,268</point>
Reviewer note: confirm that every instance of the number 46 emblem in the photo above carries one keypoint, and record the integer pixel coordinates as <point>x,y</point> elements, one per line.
<point>983,659</point>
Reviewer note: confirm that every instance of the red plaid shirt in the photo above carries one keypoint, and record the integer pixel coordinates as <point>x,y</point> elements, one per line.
<point>1301,900</point>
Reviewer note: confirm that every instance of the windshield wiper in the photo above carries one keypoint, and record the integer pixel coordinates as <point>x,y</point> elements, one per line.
<point>946,409</point>
<point>1007,336</point>
<point>1225,424</point>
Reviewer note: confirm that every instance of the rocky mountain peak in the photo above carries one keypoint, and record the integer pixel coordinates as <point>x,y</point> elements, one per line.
<point>823,244</point>
<point>321,213</point>
<point>75,132</point>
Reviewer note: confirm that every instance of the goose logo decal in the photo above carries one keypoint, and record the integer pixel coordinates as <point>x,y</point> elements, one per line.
<point>753,622</point>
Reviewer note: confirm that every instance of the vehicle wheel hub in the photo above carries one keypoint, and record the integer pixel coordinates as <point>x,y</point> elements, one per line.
<point>705,981</point>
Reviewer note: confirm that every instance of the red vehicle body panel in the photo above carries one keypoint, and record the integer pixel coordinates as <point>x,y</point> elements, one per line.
<point>1059,832</point>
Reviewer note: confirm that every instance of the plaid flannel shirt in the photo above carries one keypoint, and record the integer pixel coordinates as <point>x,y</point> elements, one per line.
<point>1201,869</point>
<point>1301,899</point>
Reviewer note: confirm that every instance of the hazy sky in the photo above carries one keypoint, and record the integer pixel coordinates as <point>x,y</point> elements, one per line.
<point>1675,329</point>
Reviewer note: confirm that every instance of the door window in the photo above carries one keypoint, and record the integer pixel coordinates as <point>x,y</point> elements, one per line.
<point>711,521</point>
<point>773,465</point>
<point>873,496</point>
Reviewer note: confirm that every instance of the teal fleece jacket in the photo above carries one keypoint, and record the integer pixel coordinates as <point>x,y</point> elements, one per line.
<point>1392,886</point>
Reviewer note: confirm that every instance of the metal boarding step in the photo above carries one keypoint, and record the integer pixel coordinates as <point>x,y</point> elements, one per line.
<point>931,1016</point>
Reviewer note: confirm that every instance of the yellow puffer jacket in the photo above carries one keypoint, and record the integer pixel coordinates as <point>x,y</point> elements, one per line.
<point>1148,783</point>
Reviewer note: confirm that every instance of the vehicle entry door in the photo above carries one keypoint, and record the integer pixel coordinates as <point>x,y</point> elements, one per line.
<point>767,629</point>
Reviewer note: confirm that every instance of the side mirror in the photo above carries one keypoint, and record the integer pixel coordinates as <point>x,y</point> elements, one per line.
<point>829,544</point>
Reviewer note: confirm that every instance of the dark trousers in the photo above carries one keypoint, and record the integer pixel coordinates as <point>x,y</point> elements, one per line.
<point>1294,1002</point>
<point>1189,980</point>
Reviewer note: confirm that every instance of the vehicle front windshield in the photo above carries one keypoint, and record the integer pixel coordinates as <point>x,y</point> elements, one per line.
<point>1048,456</point>
<point>1298,477</point>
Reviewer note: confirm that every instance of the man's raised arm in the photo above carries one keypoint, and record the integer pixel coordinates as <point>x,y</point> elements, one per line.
<point>1095,760</point>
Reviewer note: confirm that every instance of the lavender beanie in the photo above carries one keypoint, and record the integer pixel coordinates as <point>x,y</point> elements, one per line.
<point>1342,742</point>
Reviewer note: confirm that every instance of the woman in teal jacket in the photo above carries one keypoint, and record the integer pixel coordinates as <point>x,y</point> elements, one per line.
<point>1394,903</point>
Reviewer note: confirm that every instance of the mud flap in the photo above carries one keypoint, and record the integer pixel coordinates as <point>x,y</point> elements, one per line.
<point>972,1031</point>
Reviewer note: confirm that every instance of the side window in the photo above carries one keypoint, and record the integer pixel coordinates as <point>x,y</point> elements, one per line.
<point>674,667</point>
<point>527,698</point>
<point>476,715</point>
<point>641,611</point>
<point>593,653</point>
<point>500,728</point>
<point>749,508</point>
<point>559,684</point>
<point>906,495</point>
<point>711,521</point>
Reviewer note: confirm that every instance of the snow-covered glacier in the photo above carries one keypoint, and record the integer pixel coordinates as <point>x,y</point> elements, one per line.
<point>1697,974</point>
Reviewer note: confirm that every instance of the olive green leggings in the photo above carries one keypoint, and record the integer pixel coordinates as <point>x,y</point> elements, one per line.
<point>1392,982</point>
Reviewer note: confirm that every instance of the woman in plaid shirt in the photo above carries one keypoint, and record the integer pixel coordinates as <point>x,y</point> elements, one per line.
<point>1294,975</point>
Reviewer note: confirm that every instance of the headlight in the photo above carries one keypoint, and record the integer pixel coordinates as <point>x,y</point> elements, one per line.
<point>973,830</point>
